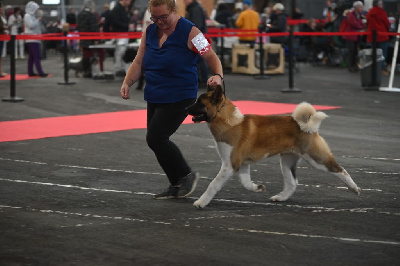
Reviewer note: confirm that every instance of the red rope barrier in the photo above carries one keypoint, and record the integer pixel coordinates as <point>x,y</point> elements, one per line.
<point>213,33</point>
<point>81,36</point>
<point>330,33</point>
<point>5,37</point>
<point>215,30</point>
<point>291,22</point>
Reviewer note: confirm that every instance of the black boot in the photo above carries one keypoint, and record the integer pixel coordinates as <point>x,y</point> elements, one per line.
<point>87,68</point>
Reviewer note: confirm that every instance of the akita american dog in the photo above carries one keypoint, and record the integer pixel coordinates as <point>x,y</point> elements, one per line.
<point>245,139</point>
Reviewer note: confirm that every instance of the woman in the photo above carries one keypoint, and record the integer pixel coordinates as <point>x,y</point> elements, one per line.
<point>168,55</point>
<point>3,27</point>
<point>15,24</point>
<point>32,26</point>
<point>354,23</point>
<point>87,23</point>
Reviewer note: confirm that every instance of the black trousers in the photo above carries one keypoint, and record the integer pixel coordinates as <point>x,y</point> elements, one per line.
<point>162,121</point>
<point>353,54</point>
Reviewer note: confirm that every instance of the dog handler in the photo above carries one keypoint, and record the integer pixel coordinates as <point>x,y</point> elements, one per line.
<point>168,55</point>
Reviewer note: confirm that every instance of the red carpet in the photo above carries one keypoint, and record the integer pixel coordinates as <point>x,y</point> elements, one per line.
<point>107,122</point>
<point>20,77</point>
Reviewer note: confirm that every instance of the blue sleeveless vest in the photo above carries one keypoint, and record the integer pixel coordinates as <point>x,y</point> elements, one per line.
<point>171,71</point>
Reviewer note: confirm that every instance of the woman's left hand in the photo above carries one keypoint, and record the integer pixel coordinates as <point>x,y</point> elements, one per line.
<point>214,81</point>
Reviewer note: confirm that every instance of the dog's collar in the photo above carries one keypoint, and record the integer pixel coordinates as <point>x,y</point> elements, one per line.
<point>219,110</point>
<point>223,105</point>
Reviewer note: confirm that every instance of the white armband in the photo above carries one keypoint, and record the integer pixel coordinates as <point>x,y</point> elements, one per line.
<point>200,44</point>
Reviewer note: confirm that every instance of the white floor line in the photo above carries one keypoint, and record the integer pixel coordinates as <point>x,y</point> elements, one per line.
<point>162,174</point>
<point>347,239</point>
<point>75,187</point>
<point>84,215</point>
<point>371,158</point>
<point>120,218</point>
<point>314,208</point>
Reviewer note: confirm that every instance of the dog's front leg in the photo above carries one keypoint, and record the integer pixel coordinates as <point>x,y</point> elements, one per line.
<point>245,179</point>
<point>224,174</point>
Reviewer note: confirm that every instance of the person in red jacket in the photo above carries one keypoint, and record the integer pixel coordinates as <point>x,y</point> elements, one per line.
<point>354,23</point>
<point>378,20</point>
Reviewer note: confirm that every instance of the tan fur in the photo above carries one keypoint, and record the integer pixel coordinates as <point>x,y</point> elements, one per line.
<point>308,119</point>
<point>254,137</point>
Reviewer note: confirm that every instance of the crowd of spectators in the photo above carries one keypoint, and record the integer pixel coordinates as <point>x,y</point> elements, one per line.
<point>122,16</point>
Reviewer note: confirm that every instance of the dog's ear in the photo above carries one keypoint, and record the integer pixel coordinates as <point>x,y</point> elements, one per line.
<point>217,95</point>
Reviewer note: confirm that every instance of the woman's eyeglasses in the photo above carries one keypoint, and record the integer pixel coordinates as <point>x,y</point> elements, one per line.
<point>161,18</point>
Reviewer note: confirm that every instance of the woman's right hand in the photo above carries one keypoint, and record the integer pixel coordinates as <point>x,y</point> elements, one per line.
<point>125,91</point>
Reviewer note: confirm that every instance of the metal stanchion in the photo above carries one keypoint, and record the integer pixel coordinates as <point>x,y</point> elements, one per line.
<point>374,65</point>
<point>393,69</point>
<point>66,66</point>
<point>291,80</point>
<point>13,97</point>
<point>262,74</point>
<point>222,48</point>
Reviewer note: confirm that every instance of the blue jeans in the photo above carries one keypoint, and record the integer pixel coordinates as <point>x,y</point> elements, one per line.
<point>163,119</point>
<point>384,47</point>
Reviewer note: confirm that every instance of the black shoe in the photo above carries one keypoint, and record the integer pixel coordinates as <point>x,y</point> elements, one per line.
<point>188,185</point>
<point>120,73</point>
<point>87,75</point>
<point>353,69</point>
<point>44,75</point>
<point>100,76</point>
<point>170,193</point>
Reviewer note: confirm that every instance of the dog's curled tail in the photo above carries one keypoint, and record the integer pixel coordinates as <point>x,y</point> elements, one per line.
<point>308,119</point>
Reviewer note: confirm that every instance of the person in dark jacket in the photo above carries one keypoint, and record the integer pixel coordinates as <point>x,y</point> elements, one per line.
<point>87,23</point>
<point>120,23</point>
<point>71,17</point>
<point>106,18</point>
<point>378,20</point>
<point>223,14</point>
<point>196,14</point>
<point>278,23</point>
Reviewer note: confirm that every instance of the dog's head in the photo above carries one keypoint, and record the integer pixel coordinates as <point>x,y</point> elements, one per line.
<point>207,105</point>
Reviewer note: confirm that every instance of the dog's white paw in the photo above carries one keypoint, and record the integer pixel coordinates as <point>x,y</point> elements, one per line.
<point>356,190</point>
<point>199,204</point>
<point>260,188</point>
<point>279,197</point>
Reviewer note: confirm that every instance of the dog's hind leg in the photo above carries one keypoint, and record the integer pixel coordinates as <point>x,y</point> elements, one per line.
<point>329,165</point>
<point>288,166</point>
<point>245,179</point>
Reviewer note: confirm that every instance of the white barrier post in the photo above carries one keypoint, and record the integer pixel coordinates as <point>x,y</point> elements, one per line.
<point>395,52</point>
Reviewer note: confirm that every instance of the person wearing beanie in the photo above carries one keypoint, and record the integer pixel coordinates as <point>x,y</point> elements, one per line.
<point>278,23</point>
<point>248,20</point>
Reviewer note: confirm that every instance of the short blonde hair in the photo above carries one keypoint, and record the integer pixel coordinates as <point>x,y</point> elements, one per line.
<point>169,3</point>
